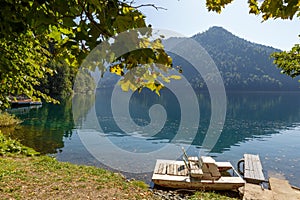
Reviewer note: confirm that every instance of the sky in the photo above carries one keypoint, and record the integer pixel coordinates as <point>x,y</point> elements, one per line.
<point>189,17</point>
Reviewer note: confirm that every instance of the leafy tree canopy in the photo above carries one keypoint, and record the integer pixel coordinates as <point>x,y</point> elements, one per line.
<point>288,61</point>
<point>35,33</point>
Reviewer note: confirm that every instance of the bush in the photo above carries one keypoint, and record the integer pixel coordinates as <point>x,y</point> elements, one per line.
<point>7,119</point>
<point>9,146</point>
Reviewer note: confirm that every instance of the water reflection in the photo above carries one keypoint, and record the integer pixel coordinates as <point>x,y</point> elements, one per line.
<point>255,123</point>
<point>249,115</point>
<point>44,128</point>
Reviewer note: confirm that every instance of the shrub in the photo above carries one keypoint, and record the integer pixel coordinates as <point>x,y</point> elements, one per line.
<point>9,146</point>
<point>7,119</point>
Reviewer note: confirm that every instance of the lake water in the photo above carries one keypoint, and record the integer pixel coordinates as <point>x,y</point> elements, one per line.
<point>264,123</point>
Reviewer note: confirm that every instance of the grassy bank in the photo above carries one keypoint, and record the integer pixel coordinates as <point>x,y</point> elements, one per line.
<point>23,175</point>
<point>43,177</point>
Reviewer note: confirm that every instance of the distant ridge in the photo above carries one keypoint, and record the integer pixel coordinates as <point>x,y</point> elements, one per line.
<point>220,31</point>
<point>243,65</point>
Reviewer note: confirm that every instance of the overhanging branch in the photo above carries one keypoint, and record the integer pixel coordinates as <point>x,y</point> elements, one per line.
<point>149,5</point>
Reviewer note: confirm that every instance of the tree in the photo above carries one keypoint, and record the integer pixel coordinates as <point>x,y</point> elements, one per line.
<point>35,33</point>
<point>288,61</point>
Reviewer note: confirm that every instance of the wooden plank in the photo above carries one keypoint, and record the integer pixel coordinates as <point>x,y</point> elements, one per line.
<point>193,159</point>
<point>160,168</point>
<point>282,190</point>
<point>164,169</point>
<point>175,169</point>
<point>253,169</point>
<point>207,160</point>
<point>223,166</point>
<point>196,172</point>
<point>171,169</point>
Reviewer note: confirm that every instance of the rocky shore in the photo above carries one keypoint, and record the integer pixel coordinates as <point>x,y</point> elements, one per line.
<point>173,195</point>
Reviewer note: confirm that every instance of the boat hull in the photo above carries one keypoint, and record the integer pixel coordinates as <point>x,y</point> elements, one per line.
<point>187,182</point>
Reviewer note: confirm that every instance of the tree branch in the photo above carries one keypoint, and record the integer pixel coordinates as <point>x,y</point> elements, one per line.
<point>149,5</point>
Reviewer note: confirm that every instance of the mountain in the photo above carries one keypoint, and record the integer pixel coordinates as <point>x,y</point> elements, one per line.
<point>243,65</point>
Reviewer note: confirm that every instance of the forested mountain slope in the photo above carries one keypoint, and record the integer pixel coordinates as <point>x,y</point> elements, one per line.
<point>243,65</point>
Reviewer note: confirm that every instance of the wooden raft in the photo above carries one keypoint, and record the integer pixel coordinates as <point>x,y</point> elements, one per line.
<point>253,171</point>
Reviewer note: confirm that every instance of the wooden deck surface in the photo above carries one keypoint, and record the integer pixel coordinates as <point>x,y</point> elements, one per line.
<point>253,171</point>
<point>176,169</point>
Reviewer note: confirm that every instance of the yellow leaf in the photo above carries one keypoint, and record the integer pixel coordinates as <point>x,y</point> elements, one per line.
<point>176,77</point>
<point>151,86</point>
<point>116,69</point>
<point>165,79</point>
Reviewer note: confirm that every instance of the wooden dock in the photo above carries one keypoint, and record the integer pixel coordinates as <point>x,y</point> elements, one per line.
<point>252,169</point>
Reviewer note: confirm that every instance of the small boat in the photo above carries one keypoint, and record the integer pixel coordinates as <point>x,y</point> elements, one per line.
<point>202,173</point>
<point>24,102</point>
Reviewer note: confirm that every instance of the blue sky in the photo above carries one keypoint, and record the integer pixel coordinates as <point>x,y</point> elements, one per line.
<point>189,17</point>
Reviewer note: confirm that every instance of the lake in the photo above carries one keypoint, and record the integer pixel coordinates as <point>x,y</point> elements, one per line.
<point>86,131</point>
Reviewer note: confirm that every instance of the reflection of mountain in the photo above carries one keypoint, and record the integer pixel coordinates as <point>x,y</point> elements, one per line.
<point>248,115</point>
<point>251,115</point>
<point>242,64</point>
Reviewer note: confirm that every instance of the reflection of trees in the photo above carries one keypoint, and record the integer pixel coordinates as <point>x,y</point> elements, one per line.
<point>249,115</point>
<point>43,129</point>
<point>81,106</point>
<point>139,106</point>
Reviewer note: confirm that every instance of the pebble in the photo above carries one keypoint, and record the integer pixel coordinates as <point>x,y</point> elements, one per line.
<point>172,195</point>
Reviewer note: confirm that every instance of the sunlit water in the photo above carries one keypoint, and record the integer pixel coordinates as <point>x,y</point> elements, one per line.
<point>267,124</point>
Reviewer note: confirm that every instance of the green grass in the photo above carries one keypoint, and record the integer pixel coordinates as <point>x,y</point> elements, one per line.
<point>43,177</point>
<point>26,176</point>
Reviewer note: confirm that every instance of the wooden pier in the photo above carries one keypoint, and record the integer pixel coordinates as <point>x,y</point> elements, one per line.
<point>252,169</point>
<point>253,190</point>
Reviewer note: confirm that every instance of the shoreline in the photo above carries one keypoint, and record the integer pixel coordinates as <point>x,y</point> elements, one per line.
<point>43,177</point>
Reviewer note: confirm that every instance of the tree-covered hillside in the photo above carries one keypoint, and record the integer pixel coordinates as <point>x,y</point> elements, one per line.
<point>243,65</point>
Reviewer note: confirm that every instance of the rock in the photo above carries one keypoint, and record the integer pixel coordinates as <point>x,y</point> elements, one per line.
<point>171,194</point>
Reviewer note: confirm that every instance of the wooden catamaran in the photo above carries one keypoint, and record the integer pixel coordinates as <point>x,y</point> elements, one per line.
<point>202,173</point>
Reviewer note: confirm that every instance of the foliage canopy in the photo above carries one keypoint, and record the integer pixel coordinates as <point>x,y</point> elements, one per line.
<point>36,33</point>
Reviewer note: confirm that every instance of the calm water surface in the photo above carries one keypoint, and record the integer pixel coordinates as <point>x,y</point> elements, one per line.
<point>264,123</point>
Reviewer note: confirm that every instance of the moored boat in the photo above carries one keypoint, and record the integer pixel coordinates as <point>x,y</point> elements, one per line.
<point>202,173</point>
<point>24,102</point>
